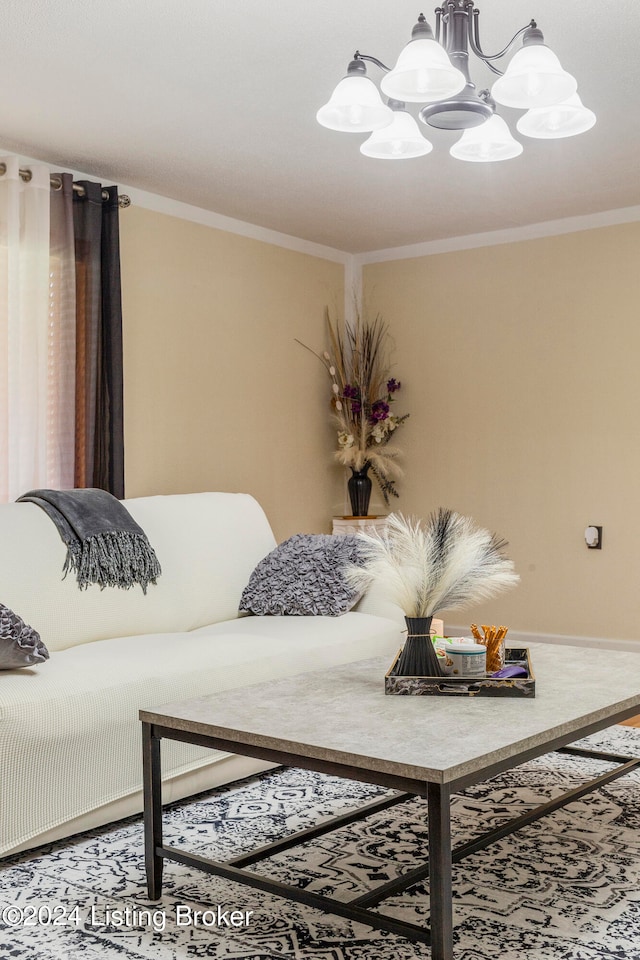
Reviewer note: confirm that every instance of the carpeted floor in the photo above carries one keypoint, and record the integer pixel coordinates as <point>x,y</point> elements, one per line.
<point>564,888</point>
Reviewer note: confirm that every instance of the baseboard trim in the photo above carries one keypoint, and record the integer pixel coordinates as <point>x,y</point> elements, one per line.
<point>602,643</point>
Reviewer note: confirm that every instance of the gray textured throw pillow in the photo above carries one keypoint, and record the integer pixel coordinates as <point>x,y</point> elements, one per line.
<point>20,644</point>
<point>304,577</point>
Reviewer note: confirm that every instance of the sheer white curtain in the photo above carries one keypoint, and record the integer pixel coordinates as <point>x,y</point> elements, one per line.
<point>37,339</point>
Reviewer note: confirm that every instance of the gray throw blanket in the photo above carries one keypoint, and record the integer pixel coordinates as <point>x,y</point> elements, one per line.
<point>104,543</point>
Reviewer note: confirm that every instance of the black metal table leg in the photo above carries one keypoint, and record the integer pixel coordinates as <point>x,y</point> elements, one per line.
<point>152,787</point>
<point>441,909</point>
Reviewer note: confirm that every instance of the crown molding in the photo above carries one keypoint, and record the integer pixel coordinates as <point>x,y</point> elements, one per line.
<point>193,214</point>
<point>352,262</point>
<point>533,231</point>
<point>207,218</point>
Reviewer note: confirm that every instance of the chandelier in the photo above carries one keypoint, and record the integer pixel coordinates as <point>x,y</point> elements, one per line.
<point>434,70</point>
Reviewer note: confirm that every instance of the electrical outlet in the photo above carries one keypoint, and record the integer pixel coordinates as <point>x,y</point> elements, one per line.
<point>593,537</point>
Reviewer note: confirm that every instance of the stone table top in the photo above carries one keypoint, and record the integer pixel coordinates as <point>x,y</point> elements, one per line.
<point>342,715</point>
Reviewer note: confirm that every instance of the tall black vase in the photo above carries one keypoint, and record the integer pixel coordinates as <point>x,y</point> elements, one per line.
<point>418,657</point>
<point>359,485</point>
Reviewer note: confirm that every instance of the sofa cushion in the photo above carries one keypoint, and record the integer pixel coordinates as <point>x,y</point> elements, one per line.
<point>77,719</point>
<point>304,576</point>
<point>20,644</point>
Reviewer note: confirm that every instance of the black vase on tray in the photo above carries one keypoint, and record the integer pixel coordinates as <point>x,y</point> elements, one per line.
<point>359,485</point>
<point>418,657</point>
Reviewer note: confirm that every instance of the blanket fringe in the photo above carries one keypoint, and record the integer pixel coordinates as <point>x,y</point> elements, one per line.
<point>115,559</point>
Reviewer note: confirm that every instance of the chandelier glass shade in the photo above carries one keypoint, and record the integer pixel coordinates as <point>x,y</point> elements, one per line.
<point>402,138</point>
<point>423,73</point>
<point>355,106</point>
<point>487,142</point>
<point>433,69</point>
<point>534,78</point>
<point>559,120</point>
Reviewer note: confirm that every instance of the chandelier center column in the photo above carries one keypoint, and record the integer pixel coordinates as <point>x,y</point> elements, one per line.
<point>466,109</point>
<point>457,33</point>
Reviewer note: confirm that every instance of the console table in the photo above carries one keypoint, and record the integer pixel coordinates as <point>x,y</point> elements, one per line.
<point>344,525</point>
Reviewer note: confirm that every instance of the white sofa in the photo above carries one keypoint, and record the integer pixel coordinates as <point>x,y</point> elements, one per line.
<point>70,755</point>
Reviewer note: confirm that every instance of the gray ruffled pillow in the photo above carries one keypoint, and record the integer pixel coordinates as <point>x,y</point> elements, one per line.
<point>304,576</point>
<point>20,644</point>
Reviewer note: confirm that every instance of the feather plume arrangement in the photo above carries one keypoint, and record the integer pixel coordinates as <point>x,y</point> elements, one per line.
<point>362,396</point>
<point>443,563</point>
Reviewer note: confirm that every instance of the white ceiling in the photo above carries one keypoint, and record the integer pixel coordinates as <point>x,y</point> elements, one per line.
<point>213,102</point>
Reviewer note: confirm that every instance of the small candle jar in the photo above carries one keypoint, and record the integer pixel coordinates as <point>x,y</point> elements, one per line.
<point>469,660</point>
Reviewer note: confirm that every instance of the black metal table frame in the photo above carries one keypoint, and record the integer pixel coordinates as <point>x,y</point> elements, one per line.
<point>438,868</point>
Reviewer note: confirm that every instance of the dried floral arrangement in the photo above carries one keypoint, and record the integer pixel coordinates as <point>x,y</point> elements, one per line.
<point>442,564</point>
<point>362,394</point>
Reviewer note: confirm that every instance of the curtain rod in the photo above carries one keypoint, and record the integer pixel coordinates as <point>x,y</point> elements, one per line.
<point>56,184</point>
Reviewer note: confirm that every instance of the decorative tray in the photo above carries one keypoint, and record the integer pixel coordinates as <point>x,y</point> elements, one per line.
<point>448,686</point>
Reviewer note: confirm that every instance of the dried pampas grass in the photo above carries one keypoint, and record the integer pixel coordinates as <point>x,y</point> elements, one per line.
<point>363,394</point>
<point>444,563</point>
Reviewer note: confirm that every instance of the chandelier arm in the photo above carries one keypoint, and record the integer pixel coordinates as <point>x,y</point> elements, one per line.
<point>364,56</point>
<point>493,68</point>
<point>474,41</point>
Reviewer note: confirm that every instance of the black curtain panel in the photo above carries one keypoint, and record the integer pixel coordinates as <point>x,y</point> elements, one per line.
<point>99,396</point>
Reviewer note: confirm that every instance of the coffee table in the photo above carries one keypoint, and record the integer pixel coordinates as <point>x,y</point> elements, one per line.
<point>340,722</point>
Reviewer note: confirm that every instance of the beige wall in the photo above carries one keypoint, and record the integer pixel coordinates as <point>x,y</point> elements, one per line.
<point>520,367</point>
<point>218,396</point>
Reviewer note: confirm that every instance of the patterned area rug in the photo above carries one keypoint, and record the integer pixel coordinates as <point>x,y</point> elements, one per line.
<point>564,888</point>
